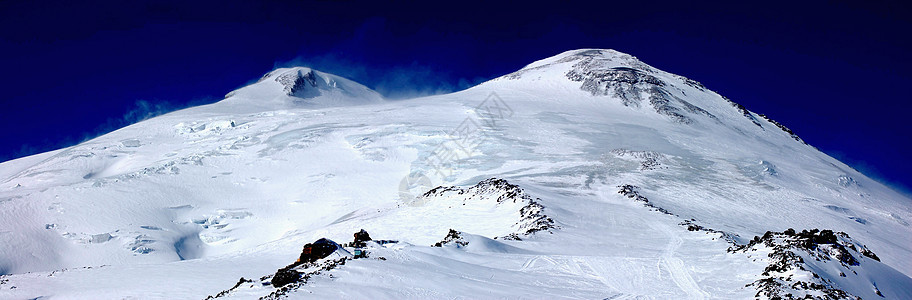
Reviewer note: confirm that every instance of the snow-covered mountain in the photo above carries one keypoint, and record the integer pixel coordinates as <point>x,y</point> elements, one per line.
<point>589,174</point>
<point>291,88</point>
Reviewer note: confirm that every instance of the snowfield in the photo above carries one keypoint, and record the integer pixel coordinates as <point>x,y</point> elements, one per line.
<point>589,175</point>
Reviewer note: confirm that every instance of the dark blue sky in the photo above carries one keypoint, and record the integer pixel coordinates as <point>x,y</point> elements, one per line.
<point>834,72</point>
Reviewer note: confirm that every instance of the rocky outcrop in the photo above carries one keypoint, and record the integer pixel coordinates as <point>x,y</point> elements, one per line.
<point>783,128</point>
<point>316,258</point>
<point>798,262</point>
<point>743,110</point>
<point>632,86</point>
<point>692,225</point>
<point>649,160</point>
<point>532,218</point>
<point>292,279</point>
<point>811,264</point>
<point>453,237</point>
<point>299,83</point>
<point>632,192</point>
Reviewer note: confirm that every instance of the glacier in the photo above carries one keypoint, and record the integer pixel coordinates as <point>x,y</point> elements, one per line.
<point>589,174</point>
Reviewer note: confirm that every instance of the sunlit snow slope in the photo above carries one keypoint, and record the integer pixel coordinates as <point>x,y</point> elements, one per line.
<point>617,154</point>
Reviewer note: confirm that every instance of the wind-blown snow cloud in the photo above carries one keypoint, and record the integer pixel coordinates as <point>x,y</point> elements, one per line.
<point>393,82</point>
<point>142,110</point>
<point>373,56</point>
<point>871,171</point>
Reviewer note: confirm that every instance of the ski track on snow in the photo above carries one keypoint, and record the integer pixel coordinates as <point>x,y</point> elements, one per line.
<point>675,266</point>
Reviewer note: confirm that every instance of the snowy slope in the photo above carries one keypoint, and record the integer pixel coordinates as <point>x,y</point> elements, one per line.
<point>299,87</point>
<point>615,153</point>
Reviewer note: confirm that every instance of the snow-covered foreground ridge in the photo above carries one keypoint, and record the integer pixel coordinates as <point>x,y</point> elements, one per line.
<point>589,174</point>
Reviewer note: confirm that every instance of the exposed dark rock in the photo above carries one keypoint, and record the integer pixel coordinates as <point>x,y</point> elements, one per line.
<point>301,278</point>
<point>650,160</point>
<point>777,288</point>
<point>299,84</point>
<point>692,83</point>
<point>289,278</point>
<point>228,291</point>
<point>747,114</point>
<point>285,276</point>
<point>630,85</point>
<point>440,190</point>
<point>453,237</point>
<point>869,253</point>
<point>691,225</point>
<point>785,255</point>
<point>610,73</point>
<point>532,219</point>
<point>310,254</point>
<point>532,216</point>
<point>592,54</point>
<point>631,191</point>
<point>783,128</point>
<point>314,260</point>
<point>487,186</point>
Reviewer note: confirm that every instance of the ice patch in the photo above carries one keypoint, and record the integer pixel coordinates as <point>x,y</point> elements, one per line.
<point>100,238</point>
<point>859,220</point>
<point>898,219</point>
<point>132,143</point>
<point>295,139</point>
<point>216,229</point>
<point>205,128</point>
<point>141,244</point>
<point>838,209</point>
<point>189,247</point>
<point>846,181</point>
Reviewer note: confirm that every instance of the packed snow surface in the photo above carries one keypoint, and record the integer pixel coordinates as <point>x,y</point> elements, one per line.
<point>613,180</point>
